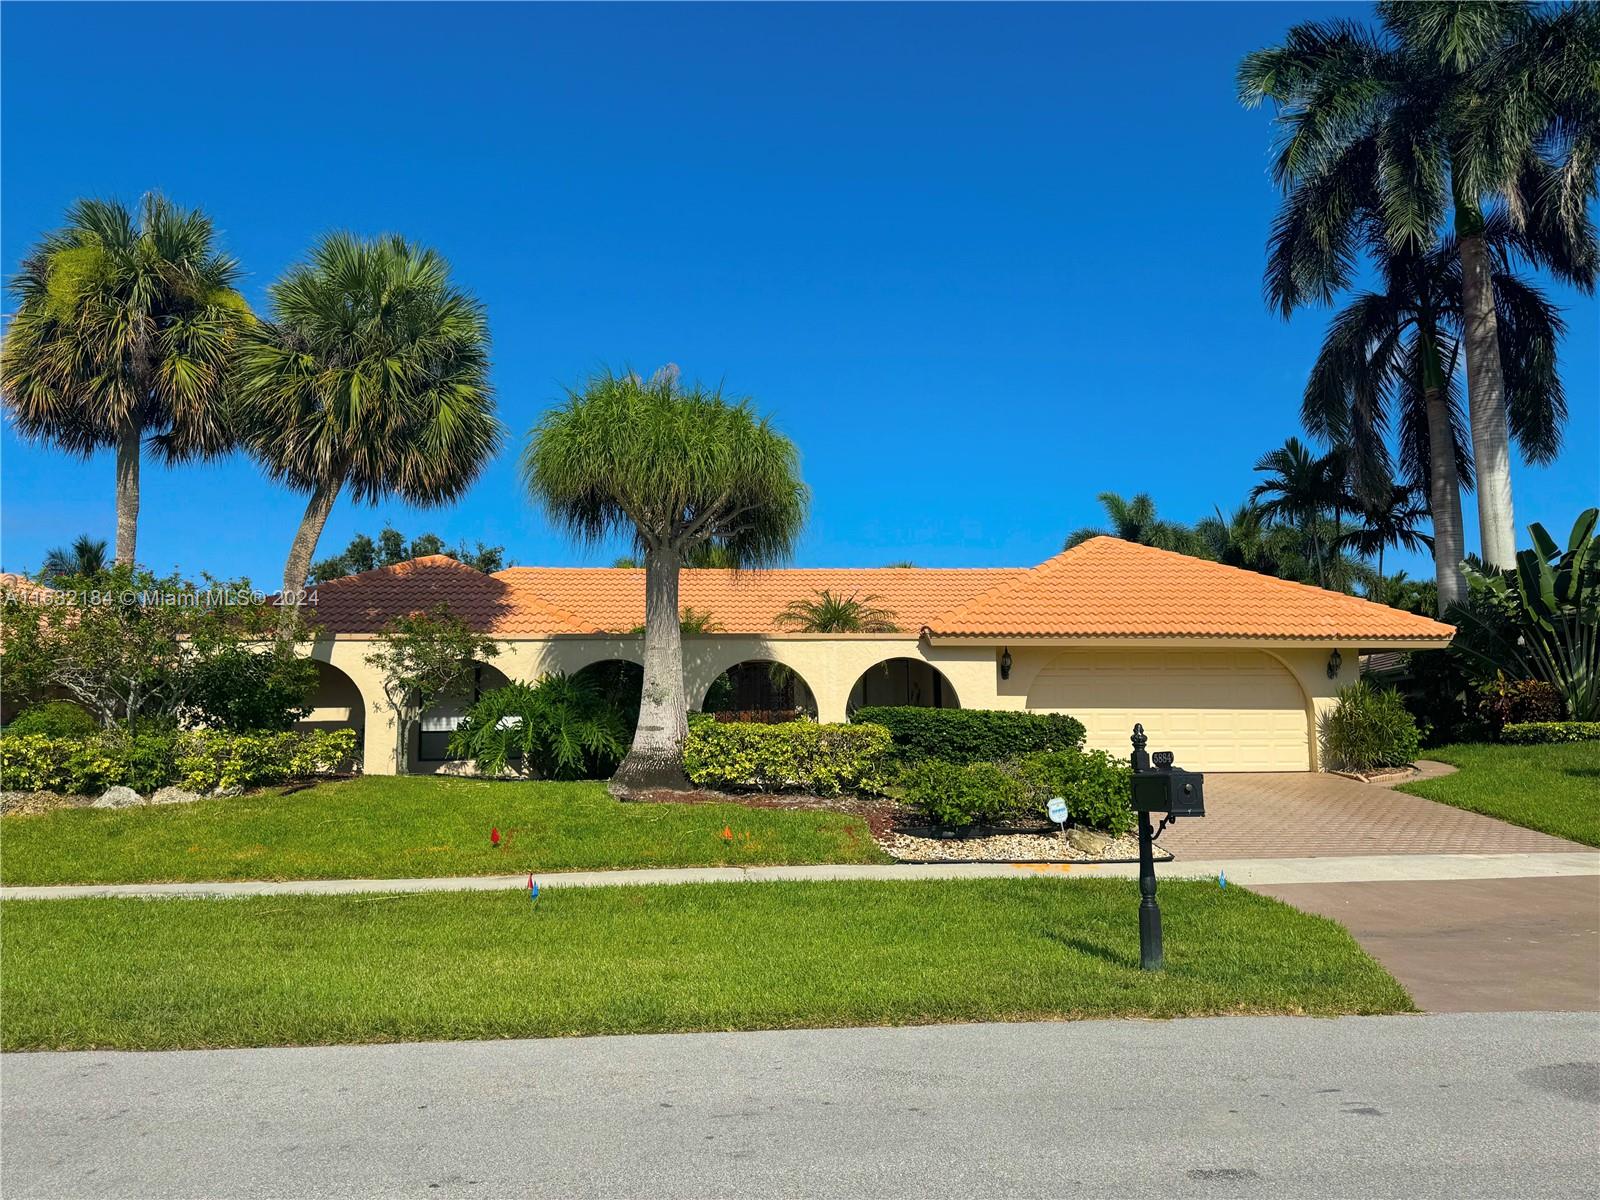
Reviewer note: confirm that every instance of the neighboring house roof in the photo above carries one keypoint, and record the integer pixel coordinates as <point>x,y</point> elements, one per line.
<point>1102,588</point>
<point>1106,587</point>
<point>20,586</point>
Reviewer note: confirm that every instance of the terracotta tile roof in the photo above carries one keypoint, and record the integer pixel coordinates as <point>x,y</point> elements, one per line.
<point>1106,587</point>
<point>20,586</point>
<point>1103,588</point>
<point>749,601</point>
<point>365,603</point>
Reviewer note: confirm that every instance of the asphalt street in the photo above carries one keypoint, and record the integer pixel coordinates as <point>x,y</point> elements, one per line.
<point>1450,1106</point>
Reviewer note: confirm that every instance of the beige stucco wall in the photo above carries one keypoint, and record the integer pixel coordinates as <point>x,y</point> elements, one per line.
<point>829,664</point>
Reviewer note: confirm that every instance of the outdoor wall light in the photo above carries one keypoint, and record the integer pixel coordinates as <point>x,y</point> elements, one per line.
<point>1334,663</point>
<point>1005,663</point>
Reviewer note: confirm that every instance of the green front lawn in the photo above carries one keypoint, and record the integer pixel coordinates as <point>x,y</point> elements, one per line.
<point>1555,789</point>
<point>389,827</point>
<point>161,974</point>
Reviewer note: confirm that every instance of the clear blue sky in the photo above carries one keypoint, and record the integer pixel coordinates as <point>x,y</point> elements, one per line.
<point>981,263</point>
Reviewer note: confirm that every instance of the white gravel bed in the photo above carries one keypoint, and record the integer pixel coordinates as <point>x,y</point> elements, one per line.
<point>1008,847</point>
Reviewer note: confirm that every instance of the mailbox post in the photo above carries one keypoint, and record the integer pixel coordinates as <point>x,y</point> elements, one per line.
<point>1158,788</point>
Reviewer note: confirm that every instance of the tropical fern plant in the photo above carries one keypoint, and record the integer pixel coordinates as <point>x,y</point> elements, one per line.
<point>828,613</point>
<point>562,727</point>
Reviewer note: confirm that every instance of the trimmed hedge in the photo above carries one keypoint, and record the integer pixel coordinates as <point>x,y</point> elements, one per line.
<point>797,755</point>
<point>1094,785</point>
<point>1538,733</point>
<point>199,760</point>
<point>969,735</point>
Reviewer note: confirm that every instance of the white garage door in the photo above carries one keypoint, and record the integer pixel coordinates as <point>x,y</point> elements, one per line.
<point>1217,710</point>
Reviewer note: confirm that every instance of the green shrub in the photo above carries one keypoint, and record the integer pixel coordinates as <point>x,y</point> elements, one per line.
<point>247,690</point>
<point>1519,702</point>
<point>200,760</point>
<point>964,735</point>
<point>1538,733</point>
<point>1368,728</point>
<point>55,718</point>
<point>1095,785</point>
<point>563,727</point>
<point>960,794</point>
<point>824,759</point>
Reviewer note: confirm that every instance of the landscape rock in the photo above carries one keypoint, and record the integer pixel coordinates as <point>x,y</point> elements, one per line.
<point>226,793</point>
<point>118,797</point>
<point>174,795</point>
<point>1090,841</point>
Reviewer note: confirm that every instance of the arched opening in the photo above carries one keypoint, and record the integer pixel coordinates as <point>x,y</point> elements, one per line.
<point>903,682</point>
<point>620,682</point>
<point>440,721</point>
<point>759,685</point>
<point>336,703</point>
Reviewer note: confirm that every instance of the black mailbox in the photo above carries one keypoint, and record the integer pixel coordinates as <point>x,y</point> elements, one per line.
<point>1169,790</point>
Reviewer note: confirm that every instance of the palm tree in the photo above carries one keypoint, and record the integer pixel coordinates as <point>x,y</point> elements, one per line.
<point>86,558</point>
<point>1447,107</point>
<point>372,377</point>
<point>125,330</point>
<point>676,467</point>
<point>1136,521</point>
<point>1392,521</point>
<point>1388,362</point>
<point>828,613</point>
<point>1299,489</point>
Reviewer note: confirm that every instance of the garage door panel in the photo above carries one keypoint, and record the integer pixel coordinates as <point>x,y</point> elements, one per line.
<point>1216,710</point>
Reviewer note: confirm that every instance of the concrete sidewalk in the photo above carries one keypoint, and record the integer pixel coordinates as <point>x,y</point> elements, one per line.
<point>1381,868</point>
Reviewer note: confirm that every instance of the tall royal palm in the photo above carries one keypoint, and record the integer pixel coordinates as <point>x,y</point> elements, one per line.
<point>673,467</point>
<point>371,378</point>
<point>1452,109</point>
<point>1387,364</point>
<point>125,329</point>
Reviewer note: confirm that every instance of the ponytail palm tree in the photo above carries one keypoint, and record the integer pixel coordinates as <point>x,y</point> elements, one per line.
<point>676,468</point>
<point>372,378</point>
<point>125,330</point>
<point>1448,109</point>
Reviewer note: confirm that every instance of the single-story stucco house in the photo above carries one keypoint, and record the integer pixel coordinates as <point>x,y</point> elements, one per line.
<point>1229,669</point>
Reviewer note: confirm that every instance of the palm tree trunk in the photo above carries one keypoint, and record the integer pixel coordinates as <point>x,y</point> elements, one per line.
<point>1444,500</point>
<point>656,758</point>
<point>1486,401</point>
<point>301,549</point>
<point>128,445</point>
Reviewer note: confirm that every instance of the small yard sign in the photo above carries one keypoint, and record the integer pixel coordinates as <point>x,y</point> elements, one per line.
<point>1057,808</point>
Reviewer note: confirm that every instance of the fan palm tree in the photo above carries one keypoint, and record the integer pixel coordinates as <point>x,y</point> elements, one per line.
<point>1392,521</point>
<point>372,378</point>
<point>1136,521</point>
<point>827,613</point>
<point>86,558</point>
<point>675,467</point>
<point>1448,108</point>
<point>1299,489</point>
<point>1388,362</point>
<point>125,331</point>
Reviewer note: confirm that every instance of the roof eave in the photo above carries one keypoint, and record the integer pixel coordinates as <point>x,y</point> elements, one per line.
<point>1387,642</point>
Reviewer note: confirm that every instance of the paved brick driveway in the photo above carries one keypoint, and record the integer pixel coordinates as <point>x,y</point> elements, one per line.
<point>1308,815</point>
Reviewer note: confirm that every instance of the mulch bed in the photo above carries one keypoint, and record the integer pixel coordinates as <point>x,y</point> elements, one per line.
<point>879,814</point>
